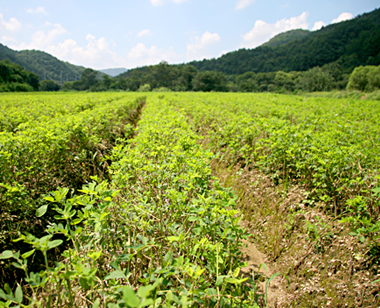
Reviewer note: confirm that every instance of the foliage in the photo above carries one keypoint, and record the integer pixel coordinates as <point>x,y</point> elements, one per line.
<point>15,87</point>
<point>13,78</point>
<point>315,79</point>
<point>365,78</point>
<point>160,232</point>
<point>51,140</point>
<point>44,65</point>
<point>327,145</point>
<point>354,42</point>
<point>209,81</point>
<point>144,88</point>
<point>286,37</point>
<point>49,85</point>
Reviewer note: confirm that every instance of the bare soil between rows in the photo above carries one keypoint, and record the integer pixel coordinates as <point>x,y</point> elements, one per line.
<point>326,266</point>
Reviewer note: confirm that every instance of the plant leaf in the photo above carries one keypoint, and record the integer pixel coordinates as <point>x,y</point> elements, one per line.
<point>6,254</point>
<point>19,294</point>
<point>54,243</point>
<point>115,275</point>
<point>41,210</point>
<point>130,297</point>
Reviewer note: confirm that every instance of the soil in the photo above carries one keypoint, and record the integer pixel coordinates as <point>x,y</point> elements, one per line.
<point>294,236</point>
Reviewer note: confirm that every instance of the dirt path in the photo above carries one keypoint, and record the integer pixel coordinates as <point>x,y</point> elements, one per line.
<point>255,260</point>
<point>294,236</point>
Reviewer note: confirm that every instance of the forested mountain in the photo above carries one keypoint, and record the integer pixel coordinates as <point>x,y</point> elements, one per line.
<point>286,37</point>
<point>43,64</point>
<point>351,43</point>
<point>13,78</point>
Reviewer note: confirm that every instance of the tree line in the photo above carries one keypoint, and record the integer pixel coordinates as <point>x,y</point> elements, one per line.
<point>165,77</point>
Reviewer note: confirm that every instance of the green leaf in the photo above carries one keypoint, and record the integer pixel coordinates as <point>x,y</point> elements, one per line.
<point>236,272</point>
<point>41,210</point>
<point>144,291</point>
<point>76,221</point>
<point>96,303</point>
<point>28,254</point>
<point>19,294</point>
<point>51,199</point>
<point>219,280</point>
<point>235,281</point>
<point>3,295</point>
<point>376,190</point>
<point>115,275</point>
<point>54,243</point>
<point>211,291</point>
<point>6,254</point>
<point>147,302</point>
<point>130,297</point>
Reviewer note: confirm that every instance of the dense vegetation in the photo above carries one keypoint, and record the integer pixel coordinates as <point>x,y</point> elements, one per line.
<point>165,77</point>
<point>352,43</point>
<point>158,230</point>
<point>125,213</point>
<point>286,37</point>
<point>318,161</point>
<point>42,64</point>
<point>14,79</point>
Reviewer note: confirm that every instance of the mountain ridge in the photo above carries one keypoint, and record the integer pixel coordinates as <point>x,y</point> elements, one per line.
<point>46,66</point>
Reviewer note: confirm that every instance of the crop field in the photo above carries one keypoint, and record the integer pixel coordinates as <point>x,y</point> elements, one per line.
<point>148,200</point>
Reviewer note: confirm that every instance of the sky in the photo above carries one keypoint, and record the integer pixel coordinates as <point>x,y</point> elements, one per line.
<point>132,33</point>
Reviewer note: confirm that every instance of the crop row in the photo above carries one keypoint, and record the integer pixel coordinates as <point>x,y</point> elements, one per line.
<point>60,151</point>
<point>17,109</point>
<point>161,233</point>
<point>330,146</point>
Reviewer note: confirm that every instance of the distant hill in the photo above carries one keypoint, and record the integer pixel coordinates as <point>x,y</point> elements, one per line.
<point>286,37</point>
<point>114,71</point>
<point>351,43</point>
<point>43,64</point>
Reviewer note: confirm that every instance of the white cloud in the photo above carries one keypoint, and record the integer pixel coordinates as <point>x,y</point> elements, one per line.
<point>145,32</point>
<point>7,39</point>
<point>241,4</point>
<point>263,31</point>
<point>12,25</point>
<point>96,53</point>
<point>141,55</point>
<point>343,17</point>
<point>39,9</point>
<point>198,49</point>
<point>318,25</point>
<point>162,2</point>
<point>41,40</point>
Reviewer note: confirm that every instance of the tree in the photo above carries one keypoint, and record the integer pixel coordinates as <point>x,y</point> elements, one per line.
<point>106,82</point>
<point>89,79</point>
<point>210,81</point>
<point>12,73</point>
<point>315,79</point>
<point>49,85</point>
<point>364,78</point>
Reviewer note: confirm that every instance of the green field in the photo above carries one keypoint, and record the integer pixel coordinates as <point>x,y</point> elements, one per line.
<point>125,199</point>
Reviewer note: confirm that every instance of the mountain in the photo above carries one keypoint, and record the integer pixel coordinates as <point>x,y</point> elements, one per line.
<point>43,64</point>
<point>286,37</point>
<point>350,43</point>
<point>114,71</point>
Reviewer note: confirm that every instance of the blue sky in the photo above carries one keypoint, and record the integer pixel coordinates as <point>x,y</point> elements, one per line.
<point>126,33</point>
